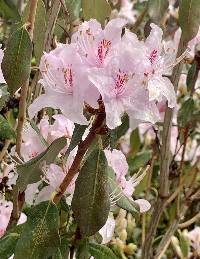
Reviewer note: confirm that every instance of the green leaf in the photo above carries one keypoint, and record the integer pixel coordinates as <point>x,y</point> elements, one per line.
<point>135,141</point>
<point>39,30</point>
<point>63,250</point>
<point>39,238</point>
<point>76,137</point>
<point>139,160</point>
<point>189,18</point>
<point>185,112</point>
<point>6,131</point>
<point>184,244</point>
<point>91,202</point>
<point>101,251</point>
<point>74,8</point>
<point>157,9</point>
<point>16,62</point>
<point>190,76</point>
<point>115,134</point>
<point>96,9</point>
<point>8,10</point>
<point>31,171</point>
<point>121,200</point>
<point>82,249</point>
<point>4,95</point>
<point>9,241</point>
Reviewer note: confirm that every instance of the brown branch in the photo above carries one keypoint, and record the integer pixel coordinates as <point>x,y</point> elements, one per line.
<point>82,149</point>
<point>18,199</point>
<point>164,166</point>
<point>24,88</point>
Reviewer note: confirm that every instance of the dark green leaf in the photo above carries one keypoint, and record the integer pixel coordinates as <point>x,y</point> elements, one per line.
<point>189,18</point>
<point>135,141</point>
<point>39,238</point>
<point>115,134</point>
<point>39,30</point>
<point>185,112</point>
<point>190,76</point>
<point>82,249</point>
<point>101,251</point>
<point>157,9</point>
<point>96,9</point>
<point>16,62</point>
<point>121,200</point>
<point>63,250</point>
<point>91,202</point>
<point>8,10</point>
<point>6,131</point>
<point>31,171</point>
<point>9,241</point>
<point>139,160</point>
<point>76,137</point>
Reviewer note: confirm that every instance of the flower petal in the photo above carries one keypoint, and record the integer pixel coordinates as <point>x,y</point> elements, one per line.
<point>143,204</point>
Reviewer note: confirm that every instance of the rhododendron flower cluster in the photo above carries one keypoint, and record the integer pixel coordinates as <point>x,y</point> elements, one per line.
<point>32,146</point>
<point>127,73</point>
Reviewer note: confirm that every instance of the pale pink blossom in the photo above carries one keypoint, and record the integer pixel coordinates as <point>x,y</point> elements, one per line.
<point>6,208</point>
<point>107,231</point>
<point>192,44</point>
<point>127,11</point>
<point>94,44</point>
<point>194,238</point>
<point>119,86</point>
<point>158,85</point>
<point>54,176</point>
<point>2,80</point>
<point>65,83</point>
<point>128,186</point>
<point>32,144</point>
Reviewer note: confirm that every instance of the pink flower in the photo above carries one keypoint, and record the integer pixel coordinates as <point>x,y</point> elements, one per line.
<point>2,80</point>
<point>107,231</point>
<point>119,86</point>
<point>192,44</point>
<point>94,44</point>
<point>117,161</point>
<point>6,208</point>
<point>194,237</point>
<point>54,176</point>
<point>158,85</point>
<point>65,83</point>
<point>32,144</point>
<point>127,11</point>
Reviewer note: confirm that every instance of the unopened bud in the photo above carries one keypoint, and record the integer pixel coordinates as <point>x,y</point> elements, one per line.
<point>130,249</point>
<point>123,235</point>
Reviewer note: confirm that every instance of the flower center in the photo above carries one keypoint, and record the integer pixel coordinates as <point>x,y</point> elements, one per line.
<point>103,49</point>
<point>120,81</point>
<point>153,56</point>
<point>68,77</point>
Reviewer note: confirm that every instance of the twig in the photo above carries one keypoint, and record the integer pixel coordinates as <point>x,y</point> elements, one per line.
<point>166,239</point>
<point>164,166</point>
<point>24,88</point>
<point>82,148</point>
<point>190,221</point>
<point>139,20</point>
<point>146,197</point>
<point>18,199</point>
